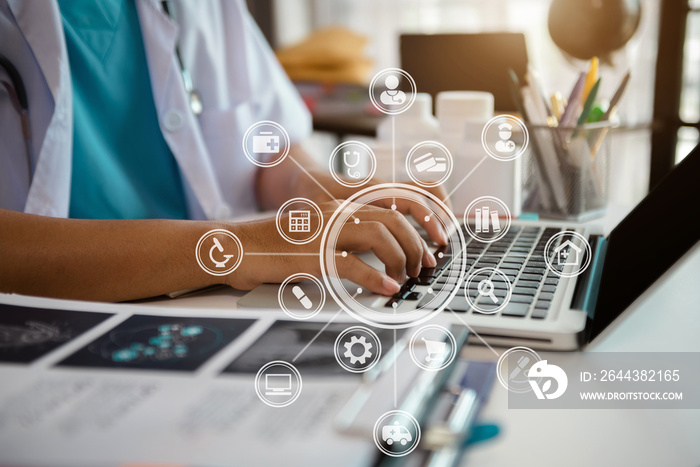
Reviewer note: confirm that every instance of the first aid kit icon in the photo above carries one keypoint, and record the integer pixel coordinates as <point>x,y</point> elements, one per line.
<point>266,142</point>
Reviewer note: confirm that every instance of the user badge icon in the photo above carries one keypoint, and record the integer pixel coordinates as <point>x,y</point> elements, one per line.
<point>505,137</point>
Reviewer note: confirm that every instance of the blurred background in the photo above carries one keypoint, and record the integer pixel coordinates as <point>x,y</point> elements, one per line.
<point>332,48</point>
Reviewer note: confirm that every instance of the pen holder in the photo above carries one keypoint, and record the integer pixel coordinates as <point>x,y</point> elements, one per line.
<point>566,171</point>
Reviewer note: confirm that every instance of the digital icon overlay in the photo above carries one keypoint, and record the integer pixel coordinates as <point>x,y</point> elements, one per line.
<point>278,383</point>
<point>266,143</point>
<point>392,91</point>
<point>567,253</point>
<point>299,221</point>
<point>488,290</point>
<point>432,347</point>
<point>357,349</point>
<point>505,137</point>
<point>397,433</point>
<point>513,369</point>
<point>432,299</point>
<point>487,219</point>
<point>301,296</point>
<point>429,164</point>
<point>219,252</point>
<point>357,162</point>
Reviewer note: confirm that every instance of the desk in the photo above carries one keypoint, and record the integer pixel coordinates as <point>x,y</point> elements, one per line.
<point>664,319</point>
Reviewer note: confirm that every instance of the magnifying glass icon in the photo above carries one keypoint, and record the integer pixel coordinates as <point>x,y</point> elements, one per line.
<point>485,288</point>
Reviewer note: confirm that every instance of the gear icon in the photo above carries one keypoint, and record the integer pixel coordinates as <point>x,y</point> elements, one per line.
<point>361,358</point>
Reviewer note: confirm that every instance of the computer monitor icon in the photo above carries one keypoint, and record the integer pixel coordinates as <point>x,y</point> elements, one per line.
<point>278,385</point>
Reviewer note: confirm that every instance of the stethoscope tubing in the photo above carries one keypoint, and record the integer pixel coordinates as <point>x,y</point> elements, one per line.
<point>18,97</point>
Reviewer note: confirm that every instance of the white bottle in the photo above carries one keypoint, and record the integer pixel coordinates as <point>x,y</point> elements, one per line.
<point>462,116</point>
<point>415,125</point>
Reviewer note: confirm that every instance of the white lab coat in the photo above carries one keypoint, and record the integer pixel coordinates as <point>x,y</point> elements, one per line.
<point>232,67</point>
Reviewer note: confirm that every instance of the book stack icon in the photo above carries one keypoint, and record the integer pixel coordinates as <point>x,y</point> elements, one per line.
<point>484,217</point>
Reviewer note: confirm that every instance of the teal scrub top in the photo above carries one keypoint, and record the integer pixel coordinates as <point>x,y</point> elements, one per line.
<point>122,166</point>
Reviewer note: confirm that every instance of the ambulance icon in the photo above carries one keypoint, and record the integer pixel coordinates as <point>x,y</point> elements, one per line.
<point>396,433</point>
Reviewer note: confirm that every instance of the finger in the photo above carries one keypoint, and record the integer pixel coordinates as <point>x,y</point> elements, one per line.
<point>352,268</point>
<point>428,259</point>
<point>375,236</point>
<point>412,244</point>
<point>441,193</point>
<point>425,217</point>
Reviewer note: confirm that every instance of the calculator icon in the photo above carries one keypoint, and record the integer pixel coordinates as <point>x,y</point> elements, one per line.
<point>300,221</point>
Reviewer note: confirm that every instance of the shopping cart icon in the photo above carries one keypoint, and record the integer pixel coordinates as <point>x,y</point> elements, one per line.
<point>436,350</point>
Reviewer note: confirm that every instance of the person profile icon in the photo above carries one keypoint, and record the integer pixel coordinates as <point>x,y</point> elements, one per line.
<point>392,96</point>
<point>505,144</point>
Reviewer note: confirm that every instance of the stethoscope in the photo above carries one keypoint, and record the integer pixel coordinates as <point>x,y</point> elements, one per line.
<point>352,173</point>
<point>195,98</point>
<point>18,96</point>
<point>394,96</point>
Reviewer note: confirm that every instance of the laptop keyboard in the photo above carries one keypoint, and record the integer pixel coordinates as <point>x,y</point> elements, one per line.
<point>519,255</point>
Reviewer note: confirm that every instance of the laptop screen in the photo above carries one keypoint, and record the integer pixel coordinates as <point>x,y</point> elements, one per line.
<point>661,229</point>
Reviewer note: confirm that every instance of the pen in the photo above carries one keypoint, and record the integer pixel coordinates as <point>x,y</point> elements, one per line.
<point>574,102</point>
<point>610,113</point>
<point>589,104</point>
<point>558,105</point>
<point>591,78</point>
<point>616,98</point>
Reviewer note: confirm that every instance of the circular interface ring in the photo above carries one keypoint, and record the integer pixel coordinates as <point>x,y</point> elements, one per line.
<point>487,219</point>
<point>499,368</point>
<point>285,393</point>
<point>399,431</point>
<point>485,289</point>
<point>420,160</point>
<point>368,310</point>
<point>251,141</point>
<point>352,158</point>
<point>503,144</point>
<point>348,349</point>
<point>301,296</point>
<point>562,262</point>
<point>312,236</point>
<point>435,349</point>
<point>216,245</point>
<point>381,79</point>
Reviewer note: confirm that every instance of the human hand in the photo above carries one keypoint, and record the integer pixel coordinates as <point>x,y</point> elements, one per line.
<point>320,187</point>
<point>385,232</point>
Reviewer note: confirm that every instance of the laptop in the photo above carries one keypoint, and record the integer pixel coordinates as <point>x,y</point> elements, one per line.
<point>546,311</point>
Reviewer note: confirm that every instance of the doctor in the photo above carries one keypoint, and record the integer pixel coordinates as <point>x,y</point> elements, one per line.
<point>123,150</point>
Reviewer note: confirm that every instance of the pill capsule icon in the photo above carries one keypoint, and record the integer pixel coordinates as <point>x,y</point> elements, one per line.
<point>301,296</point>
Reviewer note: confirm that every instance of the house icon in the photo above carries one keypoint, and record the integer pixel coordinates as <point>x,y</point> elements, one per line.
<point>568,254</point>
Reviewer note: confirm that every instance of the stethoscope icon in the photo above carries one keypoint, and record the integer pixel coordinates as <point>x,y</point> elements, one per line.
<point>217,246</point>
<point>352,173</point>
<point>485,288</point>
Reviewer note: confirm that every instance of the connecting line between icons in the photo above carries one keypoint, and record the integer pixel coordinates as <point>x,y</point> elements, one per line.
<point>316,336</point>
<point>464,179</point>
<point>317,182</point>
<point>393,149</point>
<point>262,253</point>
<point>319,333</point>
<point>473,332</point>
<point>396,364</point>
